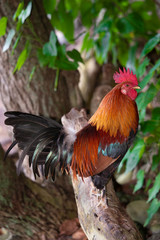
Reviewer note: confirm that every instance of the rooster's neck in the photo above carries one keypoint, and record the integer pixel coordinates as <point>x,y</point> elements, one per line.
<point>116,113</point>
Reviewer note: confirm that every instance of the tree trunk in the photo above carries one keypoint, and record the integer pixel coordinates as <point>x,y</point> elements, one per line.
<point>31,211</point>
<point>38,96</point>
<point>27,208</point>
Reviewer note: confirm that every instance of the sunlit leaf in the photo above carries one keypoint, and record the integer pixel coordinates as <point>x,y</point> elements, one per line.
<point>3,25</point>
<point>19,10</point>
<point>32,73</point>
<point>8,41</point>
<point>140,180</point>
<point>87,43</point>
<point>16,42</point>
<point>25,13</point>
<point>22,58</point>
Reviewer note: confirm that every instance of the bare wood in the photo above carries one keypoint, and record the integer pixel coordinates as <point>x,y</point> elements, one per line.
<point>101,217</point>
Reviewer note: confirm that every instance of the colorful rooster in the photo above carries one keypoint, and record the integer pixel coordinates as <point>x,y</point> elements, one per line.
<point>94,151</point>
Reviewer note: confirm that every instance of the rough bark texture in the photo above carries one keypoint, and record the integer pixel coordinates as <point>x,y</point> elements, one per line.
<point>31,211</point>
<point>101,217</point>
<point>39,96</point>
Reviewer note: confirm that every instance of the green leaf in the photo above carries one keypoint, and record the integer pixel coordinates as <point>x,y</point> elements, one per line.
<point>146,97</point>
<point>25,13</point>
<point>155,161</point>
<point>87,43</point>
<point>147,78</point>
<point>50,48</point>
<point>133,22</point>
<point>56,80</point>
<point>155,205</point>
<point>66,64</point>
<point>18,11</point>
<point>19,24</point>
<point>135,155</point>
<point>150,45</point>
<point>104,26</point>
<point>136,21</point>
<point>49,5</point>
<point>124,26</point>
<point>22,58</point>
<point>87,12</point>
<point>45,60</point>
<point>149,126</point>
<point>73,7</point>
<point>155,189</point>
<point>140,180</point>
<point>124,160</point>
<point>156,113</point>
<point>63,21</point>
<point>102,47</point>
<point>62,61</point>
<point>32,73</point>
<point>8,41</point>
<point>122,53</point>
<point>75,55</point>
<point>142,67</point>
<point>132,58</point>
<point>16,42</point>
<point>149,181</point>
<point>3,25</point>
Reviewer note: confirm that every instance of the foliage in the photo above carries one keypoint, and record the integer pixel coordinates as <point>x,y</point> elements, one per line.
<point>149,134</point>
<point>113,31</point>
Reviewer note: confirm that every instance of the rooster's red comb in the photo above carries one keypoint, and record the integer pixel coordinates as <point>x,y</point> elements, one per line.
<point>125,76</point>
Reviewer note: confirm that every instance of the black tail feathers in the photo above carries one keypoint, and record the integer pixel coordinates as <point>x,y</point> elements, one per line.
<point>42,139</point>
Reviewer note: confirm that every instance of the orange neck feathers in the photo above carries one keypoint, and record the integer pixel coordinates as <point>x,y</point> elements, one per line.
<point>116,113</point>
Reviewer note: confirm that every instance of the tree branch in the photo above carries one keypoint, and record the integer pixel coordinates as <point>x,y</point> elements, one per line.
<point>101,217</point>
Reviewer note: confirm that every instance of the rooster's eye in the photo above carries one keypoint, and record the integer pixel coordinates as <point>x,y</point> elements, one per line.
<point>127,85</point>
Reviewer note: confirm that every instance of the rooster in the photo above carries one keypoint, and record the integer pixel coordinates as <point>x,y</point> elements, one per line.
<point>96,150</point>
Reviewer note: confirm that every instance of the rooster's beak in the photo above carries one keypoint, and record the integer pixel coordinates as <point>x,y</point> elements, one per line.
<point>136,87</point>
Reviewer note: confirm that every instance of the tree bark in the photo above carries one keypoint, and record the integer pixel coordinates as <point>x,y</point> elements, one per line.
<point>38,96</point>
<point>101,217</point>
<point>47,207</point>
<point>30,211</point>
